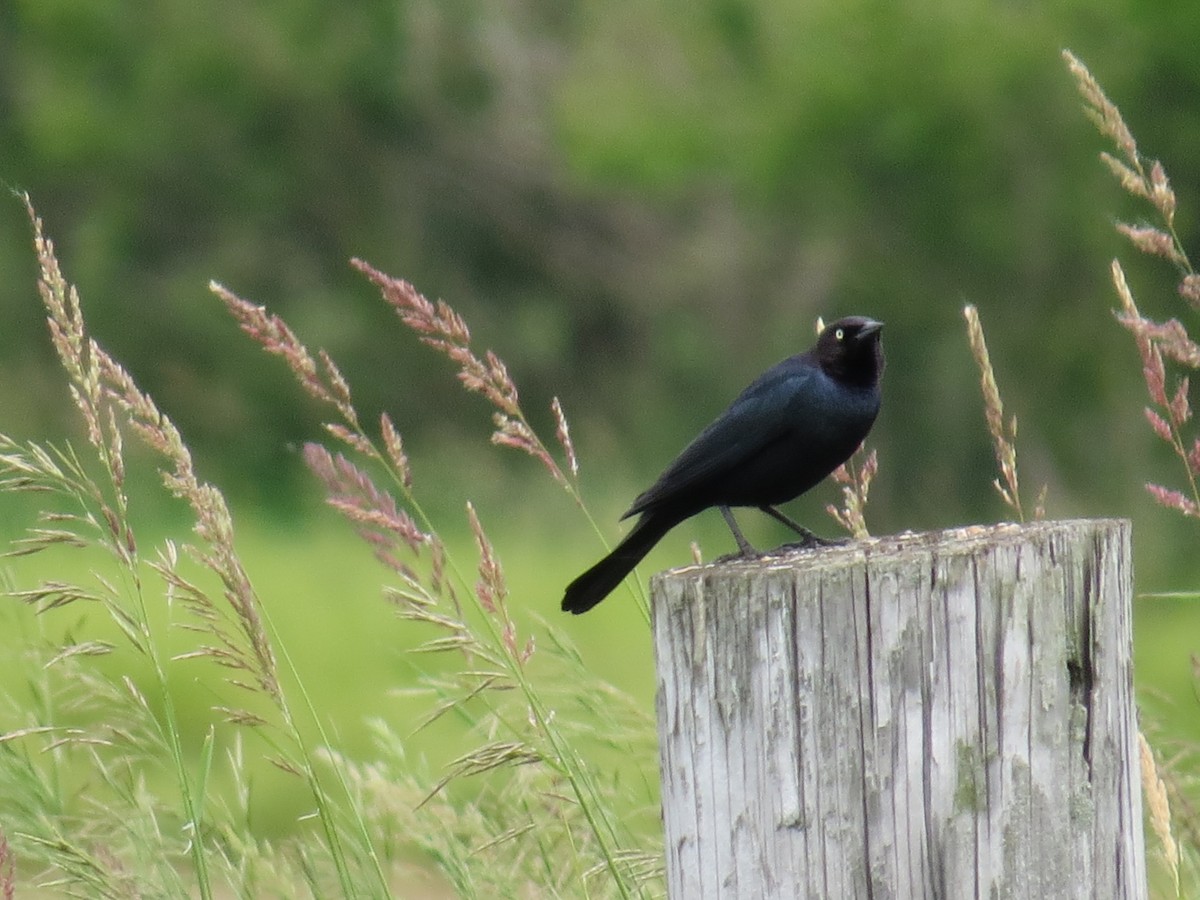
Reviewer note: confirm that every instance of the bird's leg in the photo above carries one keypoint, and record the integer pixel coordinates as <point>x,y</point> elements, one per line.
<point>745,549</point>
<point>807,538</point>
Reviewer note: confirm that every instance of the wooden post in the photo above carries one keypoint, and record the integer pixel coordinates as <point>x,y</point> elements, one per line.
<point>944,715</point>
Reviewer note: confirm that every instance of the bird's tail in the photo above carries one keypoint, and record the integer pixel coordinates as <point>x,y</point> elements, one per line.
<point>601,579</point>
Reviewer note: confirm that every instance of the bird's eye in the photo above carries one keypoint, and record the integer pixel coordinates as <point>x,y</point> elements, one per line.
<point>840,334</point>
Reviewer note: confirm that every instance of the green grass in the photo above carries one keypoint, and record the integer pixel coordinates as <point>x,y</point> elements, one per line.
<point>178,718</point>
<point>424,709</point>
<point>321,589</point>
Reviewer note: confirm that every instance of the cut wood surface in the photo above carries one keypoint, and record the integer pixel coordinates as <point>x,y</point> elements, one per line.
<point>944,715</point>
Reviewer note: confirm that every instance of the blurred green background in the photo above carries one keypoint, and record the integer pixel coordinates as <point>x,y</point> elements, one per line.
<point>638,207</point>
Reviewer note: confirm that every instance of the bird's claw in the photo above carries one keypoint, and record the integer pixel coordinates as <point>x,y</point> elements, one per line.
<point>810,542</point>
<point>746,554</point>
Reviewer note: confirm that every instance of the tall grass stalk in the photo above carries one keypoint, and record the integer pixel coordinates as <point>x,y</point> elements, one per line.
<point>1169,413</point>
<point>85,364</point>
<point>1003,432</point>
<point>529,809</point>
<point>470,617</point>
<point>228,623</point>
<point>855,476</point>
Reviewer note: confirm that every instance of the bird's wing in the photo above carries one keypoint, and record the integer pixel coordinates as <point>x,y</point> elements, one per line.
<point>754,421</point>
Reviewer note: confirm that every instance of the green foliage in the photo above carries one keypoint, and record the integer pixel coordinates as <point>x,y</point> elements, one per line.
<point>531,807</point>
<point>654,201</point>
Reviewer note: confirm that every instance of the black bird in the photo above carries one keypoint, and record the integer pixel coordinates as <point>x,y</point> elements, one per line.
<point>795,424</point>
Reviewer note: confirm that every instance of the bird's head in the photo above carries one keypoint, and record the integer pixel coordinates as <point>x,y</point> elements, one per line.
<point>849,350</point>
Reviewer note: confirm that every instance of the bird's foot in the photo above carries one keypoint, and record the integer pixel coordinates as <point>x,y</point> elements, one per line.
<point>746,554</point>
<point>809,542</point>
<point>746,550</point>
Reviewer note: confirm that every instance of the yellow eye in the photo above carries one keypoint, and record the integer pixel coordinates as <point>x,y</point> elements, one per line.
<point>840,335</point>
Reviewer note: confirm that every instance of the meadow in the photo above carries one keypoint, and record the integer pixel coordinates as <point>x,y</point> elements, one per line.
<point>348,675</point>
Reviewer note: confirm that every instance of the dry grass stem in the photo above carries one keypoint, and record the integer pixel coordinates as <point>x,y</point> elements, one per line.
<point>351,491</point>
<point>563,433</point>
<point>1152,241</point>
<point>233,633</point>
<point>213,523</point>
<point>1170,412</point>
<point>1133,182</point>
<point>1139,177</point>
<point>537,819</point>
<point>1104,113</point>
<point>1158,809</point>
<point>1189,290</point>
<point>490,588</point>
<point>485,759</point>
<point>394,445</point>
<point>440,327</point>
<point>444,329</point>
<point>274,335</point>
<point>856,486</point>
<point>1004,434</point>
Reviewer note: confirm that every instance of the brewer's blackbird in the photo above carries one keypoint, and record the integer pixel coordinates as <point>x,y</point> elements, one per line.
<point>784,433</point>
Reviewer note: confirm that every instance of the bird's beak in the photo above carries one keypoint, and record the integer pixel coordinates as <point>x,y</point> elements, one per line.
<point>870,328</point>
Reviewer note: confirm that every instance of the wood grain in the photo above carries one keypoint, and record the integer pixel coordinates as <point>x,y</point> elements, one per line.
<point>944,715</point>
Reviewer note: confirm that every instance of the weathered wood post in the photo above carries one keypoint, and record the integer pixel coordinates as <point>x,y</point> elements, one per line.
<point>945,715</point>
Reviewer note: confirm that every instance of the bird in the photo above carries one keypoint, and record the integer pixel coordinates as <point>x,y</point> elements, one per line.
<point>793,426</point>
